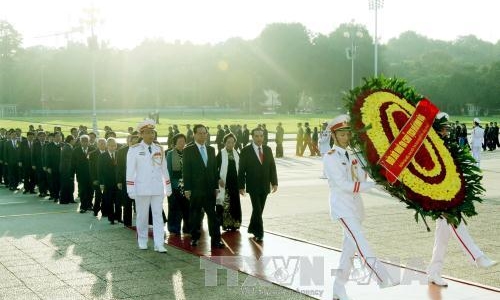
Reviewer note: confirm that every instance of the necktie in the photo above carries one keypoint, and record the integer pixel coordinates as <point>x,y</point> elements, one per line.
<point>203,155</point>
<point>149,148</point>
<point>261,155</point>
<point>113,158</point>
<point>347,155</point>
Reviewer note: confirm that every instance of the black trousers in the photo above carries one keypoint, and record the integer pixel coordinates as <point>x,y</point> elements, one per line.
<point>55,184</point>
<point>207,203</point>
<point>178,211</point>
<point>13,176</point>
<point>126,204</point>
<point>85,191</point>
<point>98,204</point>
<point>256,224</point>
<point>112,203</point>
<point>29,179</point>
<point>41,181</point>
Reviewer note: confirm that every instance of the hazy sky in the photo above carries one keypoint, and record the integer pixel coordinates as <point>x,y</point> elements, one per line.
<point>127,22</point>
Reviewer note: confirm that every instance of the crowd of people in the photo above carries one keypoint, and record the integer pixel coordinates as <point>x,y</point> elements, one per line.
<point>197,175</point>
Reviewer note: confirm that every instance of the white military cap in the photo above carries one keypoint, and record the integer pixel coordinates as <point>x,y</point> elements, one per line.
<point>445,117</point>
<point>476,120</point>
<point>147,123</point>
<point>339,123</point>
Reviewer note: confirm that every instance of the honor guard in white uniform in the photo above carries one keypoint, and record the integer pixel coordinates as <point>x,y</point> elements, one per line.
<point>148,183</point>
<point>347,179</point>
<point>324,143</point>
<point>444,231</point>
<point>477,140</point>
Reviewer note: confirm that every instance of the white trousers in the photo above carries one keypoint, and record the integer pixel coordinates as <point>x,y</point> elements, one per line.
<point>476,153</point>
<point>442,236</point>
<point>142,204</point>
<point>355,241</point>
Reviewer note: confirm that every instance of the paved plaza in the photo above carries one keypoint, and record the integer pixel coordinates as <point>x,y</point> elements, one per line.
<point>49,251</point>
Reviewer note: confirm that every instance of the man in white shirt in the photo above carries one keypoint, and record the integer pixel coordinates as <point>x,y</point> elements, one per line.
<point>477,140</point>
<point>148,183</point>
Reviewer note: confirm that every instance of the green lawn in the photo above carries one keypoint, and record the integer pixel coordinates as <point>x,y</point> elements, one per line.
<point>121,123</point>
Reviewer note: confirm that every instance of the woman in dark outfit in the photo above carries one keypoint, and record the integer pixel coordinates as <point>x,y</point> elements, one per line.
<point>228,200</point>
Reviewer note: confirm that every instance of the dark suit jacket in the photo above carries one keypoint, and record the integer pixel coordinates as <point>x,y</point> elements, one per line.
<point>106,171</point>
<point>53,156</point>
<point>257,177</point>
<point>121,165</point>
<point>93,161</point>
<point>26,151</point>
<point>65,166</point>
<point>197,178</point>
<point>36,155</point>
<point>81,165</point>
<point>12,154</point>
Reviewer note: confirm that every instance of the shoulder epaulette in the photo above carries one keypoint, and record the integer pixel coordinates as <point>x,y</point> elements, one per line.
<point>331,151</point>
<point>133,146</point>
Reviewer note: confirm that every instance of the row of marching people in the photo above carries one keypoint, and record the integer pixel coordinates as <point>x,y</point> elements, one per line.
<point>49,162</point>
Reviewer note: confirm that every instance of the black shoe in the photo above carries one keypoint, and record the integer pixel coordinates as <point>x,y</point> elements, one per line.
<point>25,192</point>
<point>218,244</point>
<point>32,192</point>
<point>194,243</point>
<point>72,201</point>
<point>112,222</point>
<point>82,211</point>
<point>258,239</point>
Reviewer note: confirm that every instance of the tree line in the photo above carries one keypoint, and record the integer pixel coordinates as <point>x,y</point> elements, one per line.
<point>304,68</point>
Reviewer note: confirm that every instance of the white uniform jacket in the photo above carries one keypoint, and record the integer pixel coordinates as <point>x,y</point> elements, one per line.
<point>147,173</point>
<point>324,141</point>
<point>346,179</point>
<point>477,137</point>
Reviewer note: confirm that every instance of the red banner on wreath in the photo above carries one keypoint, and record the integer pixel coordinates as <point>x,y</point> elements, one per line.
<point>410,138</point>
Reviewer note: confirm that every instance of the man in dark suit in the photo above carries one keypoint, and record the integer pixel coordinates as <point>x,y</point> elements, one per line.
<point>93,161</point>
<point>121,172</point>
<point>199,172</point>
<point>80,163</point>
<point>3,138</point>
<point>37,157</point>
<point>12,157</point>
<point>106,172</point>
<point>257,172</point>
<point>29,175</point>
<point>53,161</point>
<point>67,172</point>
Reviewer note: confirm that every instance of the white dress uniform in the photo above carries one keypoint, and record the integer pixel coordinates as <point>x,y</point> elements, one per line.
<point>442,236</point>
<point>324,142</point>
<point>477,139</point>
<point>148,183</point>
<point>346,179</point>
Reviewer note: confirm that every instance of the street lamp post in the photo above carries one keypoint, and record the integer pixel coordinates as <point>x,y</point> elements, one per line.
<point>93,45</point>
<point>351,52</point>
<point>375,5</point>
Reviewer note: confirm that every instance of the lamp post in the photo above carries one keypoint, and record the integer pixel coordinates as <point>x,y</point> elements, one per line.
<point>92,21</point>
<point>351,52</point>
<point>375,5</point>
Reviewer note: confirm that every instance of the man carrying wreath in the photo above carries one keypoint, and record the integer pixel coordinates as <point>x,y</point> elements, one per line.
<point>346,180</point>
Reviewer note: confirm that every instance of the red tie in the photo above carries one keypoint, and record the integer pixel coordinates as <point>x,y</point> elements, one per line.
<point>261,155</point>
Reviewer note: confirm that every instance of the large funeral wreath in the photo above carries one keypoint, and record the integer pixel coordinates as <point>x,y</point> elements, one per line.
<point>440,180</point>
